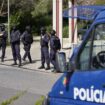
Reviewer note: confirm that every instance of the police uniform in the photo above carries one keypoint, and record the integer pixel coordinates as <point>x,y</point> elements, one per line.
<point>27,40</point>
<point>53,50</point>
<point>3,39</point>
<point>55,45</point>
<point>15,45</point>
<point>44,49</point>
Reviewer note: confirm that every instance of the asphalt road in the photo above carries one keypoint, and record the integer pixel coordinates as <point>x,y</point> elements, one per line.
<point>15,80</point>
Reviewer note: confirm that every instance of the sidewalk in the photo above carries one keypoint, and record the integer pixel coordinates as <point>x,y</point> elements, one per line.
<point>35,53</point>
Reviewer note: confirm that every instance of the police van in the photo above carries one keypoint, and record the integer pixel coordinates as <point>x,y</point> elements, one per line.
<point>84,81</point>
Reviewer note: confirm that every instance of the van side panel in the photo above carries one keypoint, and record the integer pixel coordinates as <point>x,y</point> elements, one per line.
<point>81,87</point>
<point>55,101</point>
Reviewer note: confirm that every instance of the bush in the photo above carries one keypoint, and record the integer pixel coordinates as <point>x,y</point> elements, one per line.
<point>14,19</point>
<point>49,28</point>
<point>65,32</point>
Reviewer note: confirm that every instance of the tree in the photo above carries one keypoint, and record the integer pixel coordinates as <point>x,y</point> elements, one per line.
<point>20,12</point>
<point>3,7</point>
<point>42,7</point>
<point>3,11</point>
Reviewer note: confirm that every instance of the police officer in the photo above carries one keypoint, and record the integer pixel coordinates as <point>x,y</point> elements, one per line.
<point>54,47</point>
<point>15,45</point>
<point>3,39</point>
<point>44,49</point>
<point>27,40</point>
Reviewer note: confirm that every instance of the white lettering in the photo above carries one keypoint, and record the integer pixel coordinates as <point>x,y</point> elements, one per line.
<point>92,92</point>
<point>76,93</point>
<point>96,96</point>
<point>82,94</point>
<point>101,96</point>
<point>90,95</point>
<point>89,98</point>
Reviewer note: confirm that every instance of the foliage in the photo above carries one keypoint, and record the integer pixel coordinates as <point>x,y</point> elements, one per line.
<point>39,102</point>
<point>21,5</point>
<point>12,99</point>
<point>35,13</point>
<point>42,7</point>
<point>38,13</point>
<point>100,2</point>
<point>3,11</point>
<point>3,7</point>
<point>65,32</point>
<point>20,12</point>
<point>14,19</point>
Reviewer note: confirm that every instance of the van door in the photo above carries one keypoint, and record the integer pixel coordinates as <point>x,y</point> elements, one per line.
<point>89,81</point>
<point>85,86</point>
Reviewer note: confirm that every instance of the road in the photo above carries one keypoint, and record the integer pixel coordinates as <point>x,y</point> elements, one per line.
<point>14,80</point>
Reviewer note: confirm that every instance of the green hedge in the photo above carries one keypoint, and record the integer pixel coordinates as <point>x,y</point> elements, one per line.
<point>65,32</point>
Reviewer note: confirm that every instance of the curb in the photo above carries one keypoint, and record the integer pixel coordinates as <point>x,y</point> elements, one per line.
<point>27,69</point>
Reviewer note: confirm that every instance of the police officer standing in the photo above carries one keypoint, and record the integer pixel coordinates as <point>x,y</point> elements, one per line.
<point>44,49</point>
<point>15,45</point>
<point>27,40</point>
<point>3,39</point>
<point>55,45</point>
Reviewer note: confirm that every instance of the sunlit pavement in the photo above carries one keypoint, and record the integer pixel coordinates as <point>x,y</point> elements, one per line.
<point>35,53</point>
<point>16,80</point>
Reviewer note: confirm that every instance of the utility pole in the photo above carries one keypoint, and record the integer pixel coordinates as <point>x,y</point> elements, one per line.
<point>8,20</point>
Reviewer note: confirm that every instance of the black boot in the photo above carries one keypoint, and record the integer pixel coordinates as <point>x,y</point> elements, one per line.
<point>2,60</point>
<point>30,61</point>
<point>41,67</point>
<point>20,64</point>
<point>48,67</point>
<point>15,63</point>
<point>24,59</point>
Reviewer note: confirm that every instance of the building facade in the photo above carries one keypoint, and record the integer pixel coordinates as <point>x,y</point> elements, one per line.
<point>58,21</point>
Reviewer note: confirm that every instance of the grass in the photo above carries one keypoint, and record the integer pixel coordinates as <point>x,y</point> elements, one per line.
<point>39,102</point>
<point>12,99</point>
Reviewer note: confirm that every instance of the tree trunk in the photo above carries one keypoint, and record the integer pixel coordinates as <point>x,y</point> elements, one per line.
<point>1,7</point>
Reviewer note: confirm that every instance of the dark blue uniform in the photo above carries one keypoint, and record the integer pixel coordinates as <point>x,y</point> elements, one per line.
<point>15,45</point>
<point>27,40</point>
<point>45,51</point>
<point>3,40</point>
<point>53,51</point>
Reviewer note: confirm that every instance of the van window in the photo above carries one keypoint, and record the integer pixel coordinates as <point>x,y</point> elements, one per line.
<point>98,53</point>
<point>84,56</point>
<point>92,55</point>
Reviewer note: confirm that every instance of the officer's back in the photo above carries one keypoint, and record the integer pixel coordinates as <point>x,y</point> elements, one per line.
<point>27,37</point>
<point>15,35</point>
<point>54,41</point>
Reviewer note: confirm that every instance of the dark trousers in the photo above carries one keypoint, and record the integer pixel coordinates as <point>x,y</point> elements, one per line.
<point>53,57</point>
<point>16,52</point>
<point>45,56</point>
<point>27,52</point>
<point>3,49</point>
